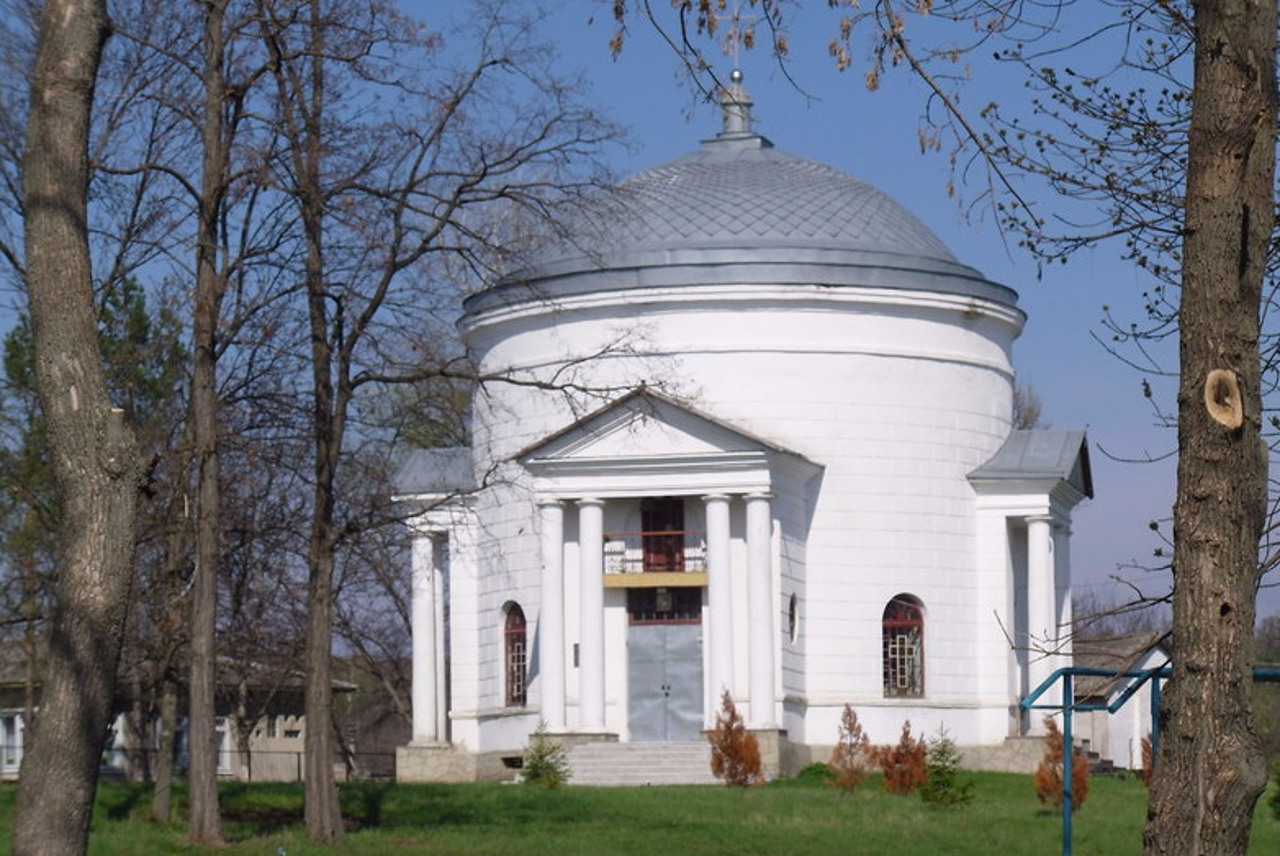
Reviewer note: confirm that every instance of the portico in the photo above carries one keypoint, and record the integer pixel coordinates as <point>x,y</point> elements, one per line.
<point>654,515</point>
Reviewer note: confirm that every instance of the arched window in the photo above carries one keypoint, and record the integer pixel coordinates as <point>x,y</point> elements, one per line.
<point>903,642</point>
<point>516,656</point>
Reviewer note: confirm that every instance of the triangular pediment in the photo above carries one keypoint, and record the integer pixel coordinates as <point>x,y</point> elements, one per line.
<point>646,425</point>
<point>647,443</point>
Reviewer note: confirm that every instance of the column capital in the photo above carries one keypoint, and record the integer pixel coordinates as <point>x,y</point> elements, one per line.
<point>587,501</point>
<point>712,497</point>
<point>549,502</point>
<point>758,494</point>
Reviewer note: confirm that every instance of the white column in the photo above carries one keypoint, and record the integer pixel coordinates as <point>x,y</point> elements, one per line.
<point>1041,615</point>
<point>719,601</point>
<point>1062,593</point>
<point>442,551</point>
<point>762,639</point>
<point>424,688</point>
<point>551,617</point>
<point>591,605</point>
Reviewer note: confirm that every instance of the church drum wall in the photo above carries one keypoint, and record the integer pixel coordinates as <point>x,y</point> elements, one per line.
<point>897,404</point>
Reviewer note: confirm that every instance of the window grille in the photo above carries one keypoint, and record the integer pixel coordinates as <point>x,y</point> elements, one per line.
<point>680,605</point>
<point>903,644</point>
<point>517,657</point>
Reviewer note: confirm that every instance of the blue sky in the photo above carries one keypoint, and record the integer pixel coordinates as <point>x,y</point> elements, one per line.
<point>874,136</point>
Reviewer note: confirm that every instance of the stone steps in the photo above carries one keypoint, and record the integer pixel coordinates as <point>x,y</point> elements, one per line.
<point>639,764</point>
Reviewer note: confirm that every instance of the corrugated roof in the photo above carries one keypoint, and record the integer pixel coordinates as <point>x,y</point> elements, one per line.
<point>1041,453</point>
<point>434,471</point>
<point>1114,653</point>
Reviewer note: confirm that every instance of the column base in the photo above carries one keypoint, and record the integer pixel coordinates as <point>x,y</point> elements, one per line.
<point>770,740</point>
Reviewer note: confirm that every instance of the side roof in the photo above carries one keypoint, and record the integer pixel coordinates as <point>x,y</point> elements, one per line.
<point>434,471</point>
<point>1039,454</point>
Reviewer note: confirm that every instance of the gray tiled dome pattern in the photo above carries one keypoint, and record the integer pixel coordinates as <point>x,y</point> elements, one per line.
<point>723,194</point>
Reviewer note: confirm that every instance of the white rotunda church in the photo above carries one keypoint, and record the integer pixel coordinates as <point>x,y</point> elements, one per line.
<point>757,438</point>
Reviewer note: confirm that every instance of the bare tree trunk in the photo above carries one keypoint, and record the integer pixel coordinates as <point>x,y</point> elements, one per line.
<point>324,819</point>
<point>137,764</point>
<point>94,453</point>
<point>205,821</point>
<point>162,801</point>
<point>1211,766</point>
<point>304,95</point>
<point>30,635</point>
<point>172,623</point>
<point>244,725</point>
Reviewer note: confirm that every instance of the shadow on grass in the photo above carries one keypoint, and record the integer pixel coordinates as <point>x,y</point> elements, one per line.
<point>119,801</point>
<point>362,803</point>
<point>262,809</point>
<point>253,810</point>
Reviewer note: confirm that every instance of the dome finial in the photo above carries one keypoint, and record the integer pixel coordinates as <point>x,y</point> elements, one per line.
<point>736,105</point>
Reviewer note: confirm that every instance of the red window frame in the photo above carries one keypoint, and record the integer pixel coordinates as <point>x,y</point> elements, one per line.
<point>516,656</point>
<point>902,647</point>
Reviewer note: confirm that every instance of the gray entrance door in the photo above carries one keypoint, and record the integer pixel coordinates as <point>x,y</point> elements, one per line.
<point>664,698</point>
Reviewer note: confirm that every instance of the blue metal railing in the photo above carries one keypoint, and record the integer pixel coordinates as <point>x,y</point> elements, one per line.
<point>1069,706</point>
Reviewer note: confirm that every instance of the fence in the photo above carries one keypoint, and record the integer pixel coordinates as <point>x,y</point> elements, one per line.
<point>256,766</point>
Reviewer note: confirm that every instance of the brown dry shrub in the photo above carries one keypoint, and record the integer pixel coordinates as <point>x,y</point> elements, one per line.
<point>1048,777</point>
<point>848,764</point>
<point>735,752</point>
<point>903,764</point>
<point>1147,761</point>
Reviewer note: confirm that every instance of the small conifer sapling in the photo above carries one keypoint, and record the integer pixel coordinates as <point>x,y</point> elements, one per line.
<point>1048,777</point>
<point>545,761</point>
<point>903,763</point>
<point>942,785</point>
<point>735,752</point>
<point>848,765</point>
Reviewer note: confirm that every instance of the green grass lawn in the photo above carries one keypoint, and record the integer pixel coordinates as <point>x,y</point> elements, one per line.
<point>784,818</point>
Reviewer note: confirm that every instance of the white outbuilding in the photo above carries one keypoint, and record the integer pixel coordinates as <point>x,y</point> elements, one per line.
<point>755,435</point>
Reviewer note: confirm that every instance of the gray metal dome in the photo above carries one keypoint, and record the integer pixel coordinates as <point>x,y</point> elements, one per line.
<point>744,190</point>
<point>739,212</point>
<point>736,193</point>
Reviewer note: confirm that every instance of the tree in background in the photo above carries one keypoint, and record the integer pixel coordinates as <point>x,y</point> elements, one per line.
<point>295,257</point>
<point>382,200</point>
<point>144,365</point>
<point>1099,617</point>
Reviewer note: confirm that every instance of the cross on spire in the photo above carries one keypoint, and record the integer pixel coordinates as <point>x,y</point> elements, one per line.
<point>735,103</point>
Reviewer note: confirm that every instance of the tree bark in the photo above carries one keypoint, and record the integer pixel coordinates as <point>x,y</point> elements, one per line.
<point>162,801</point>
<point>1211,766</point>
<point>205,825</point>
<point>301,84</point>
<point>323,815</point>
<point>94,453</point>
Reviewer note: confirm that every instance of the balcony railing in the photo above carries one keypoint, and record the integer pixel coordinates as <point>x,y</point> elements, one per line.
<point>682,551</point>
